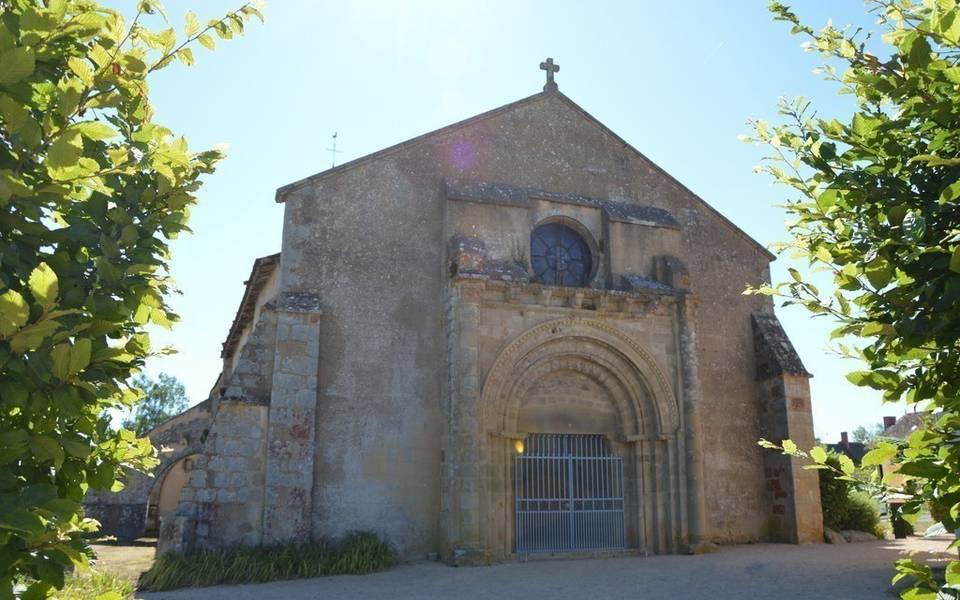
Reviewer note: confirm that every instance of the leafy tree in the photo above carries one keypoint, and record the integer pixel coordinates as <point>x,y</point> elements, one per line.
<point>161,400</point>
<point>91,190</point>
<point>875,205</point>
<point>866,435</point>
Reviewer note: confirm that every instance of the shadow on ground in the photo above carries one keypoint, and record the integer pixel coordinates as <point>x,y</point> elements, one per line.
<point>841,572</point>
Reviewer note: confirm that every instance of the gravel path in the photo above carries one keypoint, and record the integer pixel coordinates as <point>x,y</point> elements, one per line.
<point>784,572</point>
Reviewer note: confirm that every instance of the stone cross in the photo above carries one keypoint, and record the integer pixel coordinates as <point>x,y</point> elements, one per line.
<point>550,68</point>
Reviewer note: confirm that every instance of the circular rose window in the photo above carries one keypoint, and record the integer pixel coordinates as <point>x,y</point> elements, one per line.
<point>559,256</point>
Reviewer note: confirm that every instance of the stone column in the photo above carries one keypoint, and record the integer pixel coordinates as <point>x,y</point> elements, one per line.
<point>693,434</point>
<point>463,454</point>
<point>288,497</point>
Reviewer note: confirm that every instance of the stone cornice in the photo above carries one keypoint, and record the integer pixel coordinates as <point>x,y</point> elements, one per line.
<point>636,303</point>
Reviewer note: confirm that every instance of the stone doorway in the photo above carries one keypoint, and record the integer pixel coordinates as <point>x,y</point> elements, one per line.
<point>569,494</point>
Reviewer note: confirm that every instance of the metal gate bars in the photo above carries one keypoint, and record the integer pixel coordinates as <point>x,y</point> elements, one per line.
<point>569,494</point>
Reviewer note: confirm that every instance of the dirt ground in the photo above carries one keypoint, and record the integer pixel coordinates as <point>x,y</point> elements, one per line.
<point>841,572</point>
<point>125,560</point>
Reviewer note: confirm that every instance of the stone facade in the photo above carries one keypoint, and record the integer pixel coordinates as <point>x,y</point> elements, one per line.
<point>383,367</point>
<point>131,512</point>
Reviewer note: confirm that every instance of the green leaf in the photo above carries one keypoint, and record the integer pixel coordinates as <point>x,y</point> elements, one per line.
<point>827,199</point>
<point>65,150</point>
<point>16,64</point>
<point>44,285</point>
<point>864,125</point>
<point>953,573</point>
<point>882,453</point>
<point>76,448</point>
<point>14,312</point>
<point>950,193</point>
<point>207,42</point>
<point>82,69</point>
<point>955,260</point>
<point>789,447</point>
<point>94,130</point>
<point>846,465</point>
<point>79,356</point>
<point>880,379</point>
<point>818,454</point>
<point>46,448</point>
<point>31,336</point>
<point>192,24</point>
<point>61,360</point>
<point>21,520</point>
<point>878,273</point>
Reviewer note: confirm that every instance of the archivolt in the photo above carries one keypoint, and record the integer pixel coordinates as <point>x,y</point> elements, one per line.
<point>643,396</point>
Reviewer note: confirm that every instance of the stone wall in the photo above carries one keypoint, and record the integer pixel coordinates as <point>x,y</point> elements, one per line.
<point>223,502</point>
<point>123,514</point>
<point>370,237</point>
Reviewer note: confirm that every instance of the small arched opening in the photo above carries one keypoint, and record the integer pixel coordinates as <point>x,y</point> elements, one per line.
<point>165,493</point>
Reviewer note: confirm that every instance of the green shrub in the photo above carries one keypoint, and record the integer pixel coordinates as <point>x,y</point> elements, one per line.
<point>844,508</point>
<point>355,554</point>
<point>862,514</point>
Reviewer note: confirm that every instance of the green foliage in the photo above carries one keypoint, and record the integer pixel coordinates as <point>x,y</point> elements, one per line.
<point>91,190</point>
<point>96,584</point>
<point>843,506</point>
<point>834,495</point>
<point>875,204</point>
<point>862,514</point>
<point>162,399</point>
<point>355,554</point>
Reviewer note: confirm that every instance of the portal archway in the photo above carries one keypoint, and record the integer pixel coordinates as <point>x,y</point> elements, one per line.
<point>579,376</point>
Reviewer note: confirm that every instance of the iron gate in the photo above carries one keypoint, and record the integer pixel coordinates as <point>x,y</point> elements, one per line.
<point>569,494</point>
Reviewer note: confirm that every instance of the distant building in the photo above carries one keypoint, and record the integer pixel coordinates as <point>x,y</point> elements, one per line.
<point>899,429</point>
<point>855,450</point>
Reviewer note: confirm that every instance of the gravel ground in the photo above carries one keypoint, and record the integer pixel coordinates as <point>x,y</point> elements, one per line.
<point>785,572</point>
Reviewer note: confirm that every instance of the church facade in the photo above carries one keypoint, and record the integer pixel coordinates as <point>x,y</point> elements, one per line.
<point>512,335</point>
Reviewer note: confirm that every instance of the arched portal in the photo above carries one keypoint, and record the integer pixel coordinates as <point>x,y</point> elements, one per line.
<point>572,378</point>
<point>165,493</point>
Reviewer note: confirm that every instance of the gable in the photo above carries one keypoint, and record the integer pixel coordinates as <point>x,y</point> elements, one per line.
<point>547,103</point>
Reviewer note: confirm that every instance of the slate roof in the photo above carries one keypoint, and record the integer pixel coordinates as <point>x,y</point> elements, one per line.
<point>781,357</point>
<point>639,283</point>
<point>511,195</point>
<point>263,268</point>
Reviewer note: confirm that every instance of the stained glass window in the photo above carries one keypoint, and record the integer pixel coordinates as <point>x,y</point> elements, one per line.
<point>559,256</point>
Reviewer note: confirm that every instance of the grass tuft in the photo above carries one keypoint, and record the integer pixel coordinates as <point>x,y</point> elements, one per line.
<point>355,554</point>
<point>94,585</point>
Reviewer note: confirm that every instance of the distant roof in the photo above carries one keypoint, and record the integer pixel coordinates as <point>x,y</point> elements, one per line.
<point>263,268</point>
<point>855,450</point>
<point>904,426</point>
<point>283,191</point>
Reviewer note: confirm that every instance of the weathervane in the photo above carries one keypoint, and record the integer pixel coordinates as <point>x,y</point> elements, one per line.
<point>550,68</point>
<point>333,151</point>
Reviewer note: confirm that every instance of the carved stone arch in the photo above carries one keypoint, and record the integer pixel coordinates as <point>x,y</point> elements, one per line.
<point>604,346</point>
<point>624,390</point>
<point>169,460</point>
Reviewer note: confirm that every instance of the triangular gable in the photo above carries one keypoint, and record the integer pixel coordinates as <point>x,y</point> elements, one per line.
<point>283,191</point>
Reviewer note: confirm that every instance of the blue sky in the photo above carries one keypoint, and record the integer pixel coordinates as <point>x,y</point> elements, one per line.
<point>676,80</point>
